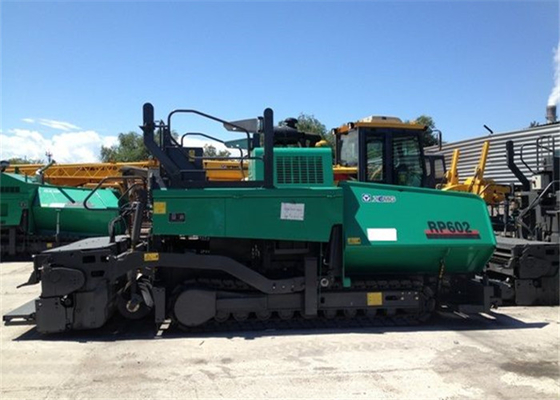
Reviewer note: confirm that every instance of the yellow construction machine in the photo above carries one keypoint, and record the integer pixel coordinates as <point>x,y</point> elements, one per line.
<point>491,192</point>
<point>381,149</point>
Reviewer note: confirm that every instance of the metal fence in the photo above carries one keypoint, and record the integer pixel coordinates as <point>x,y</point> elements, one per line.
<point>496,164</point>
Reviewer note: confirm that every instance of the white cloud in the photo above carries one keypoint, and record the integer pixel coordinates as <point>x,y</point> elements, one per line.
<point>70,147</point>
<point>67,147</point>
<point>60,125</point>
<point>28,120</point>
<point>110,141</point>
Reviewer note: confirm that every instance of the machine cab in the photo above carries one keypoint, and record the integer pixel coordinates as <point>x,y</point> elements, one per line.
<point>381,150</point>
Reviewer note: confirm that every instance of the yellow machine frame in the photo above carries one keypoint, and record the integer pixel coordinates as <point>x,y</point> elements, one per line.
<point>76,175</point>
<point>491,192</point>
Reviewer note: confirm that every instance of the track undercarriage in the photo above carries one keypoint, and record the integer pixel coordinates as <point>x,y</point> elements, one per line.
<point>229,300</point>
<point>105,278</point>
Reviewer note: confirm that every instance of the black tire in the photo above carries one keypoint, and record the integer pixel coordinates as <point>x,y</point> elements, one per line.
<point>124,296</point>
<point>142,312</point>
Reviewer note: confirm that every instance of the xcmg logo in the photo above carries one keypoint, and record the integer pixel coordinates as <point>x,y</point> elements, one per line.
<point>369,198</point>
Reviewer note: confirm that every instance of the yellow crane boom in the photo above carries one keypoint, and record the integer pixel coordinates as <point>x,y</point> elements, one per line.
<point>89,174</point>
<point>77,174</point>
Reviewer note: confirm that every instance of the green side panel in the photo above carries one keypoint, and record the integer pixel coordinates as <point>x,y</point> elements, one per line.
<point>51,205</point>
<point>296,167</point>
<point>65,205</point>
<point>282,213</point>
<point>73,221</point>
<point>57,197</point>
<point>391,229</point>
<point>16,196</point>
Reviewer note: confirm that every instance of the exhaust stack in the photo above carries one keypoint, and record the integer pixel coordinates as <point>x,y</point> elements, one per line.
<point>551,114</point>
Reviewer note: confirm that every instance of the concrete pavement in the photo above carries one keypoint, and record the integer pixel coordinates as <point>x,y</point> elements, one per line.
<point>511,354</point>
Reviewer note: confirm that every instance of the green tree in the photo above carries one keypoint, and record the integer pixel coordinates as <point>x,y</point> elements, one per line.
<point>430,137</point>
<point>211,151</point>
<point>130,148</point>
<point>308,123</point>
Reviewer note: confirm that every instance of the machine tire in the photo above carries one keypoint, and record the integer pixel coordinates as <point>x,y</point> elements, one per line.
<point>124,296</point>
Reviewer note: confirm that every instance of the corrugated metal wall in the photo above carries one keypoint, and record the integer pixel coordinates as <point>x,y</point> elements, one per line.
<point>496,165</point>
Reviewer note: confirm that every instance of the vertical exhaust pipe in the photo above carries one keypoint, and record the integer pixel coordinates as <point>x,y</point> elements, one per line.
<point>268,128</point>
<point>551,114</point>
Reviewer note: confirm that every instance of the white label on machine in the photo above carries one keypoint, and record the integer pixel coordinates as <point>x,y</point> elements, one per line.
<point>382,235</point>
<point>292,211</point>
<point>56,205</point>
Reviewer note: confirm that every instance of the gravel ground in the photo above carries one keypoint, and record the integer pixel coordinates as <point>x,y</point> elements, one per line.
<point>512,353</point>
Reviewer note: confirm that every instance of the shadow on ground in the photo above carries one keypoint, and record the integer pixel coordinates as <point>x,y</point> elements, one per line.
<point>118,329</point>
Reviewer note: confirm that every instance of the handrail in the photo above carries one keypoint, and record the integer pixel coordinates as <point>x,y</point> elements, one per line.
<point>521,157</point>
<point>96,188</point>
<point>173,167</point>
<point>534,202</point>
<point>191,111</point>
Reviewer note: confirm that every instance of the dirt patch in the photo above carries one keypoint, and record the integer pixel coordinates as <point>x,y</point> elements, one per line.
<point>535,369</point>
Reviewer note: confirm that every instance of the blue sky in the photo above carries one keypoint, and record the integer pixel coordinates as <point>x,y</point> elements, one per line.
<point>75,74</point>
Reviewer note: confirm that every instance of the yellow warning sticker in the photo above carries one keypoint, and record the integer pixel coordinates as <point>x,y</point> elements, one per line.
<point>151,256</point>
<point>192,155</point>
<point>374,299</point>
<point>160,207</point>
<point>354,240</point>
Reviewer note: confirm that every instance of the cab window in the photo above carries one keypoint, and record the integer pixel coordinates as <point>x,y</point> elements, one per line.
<point>349,149</point>
<point>439,168</point>
<point>407,161</point>
<point>375,159</point>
